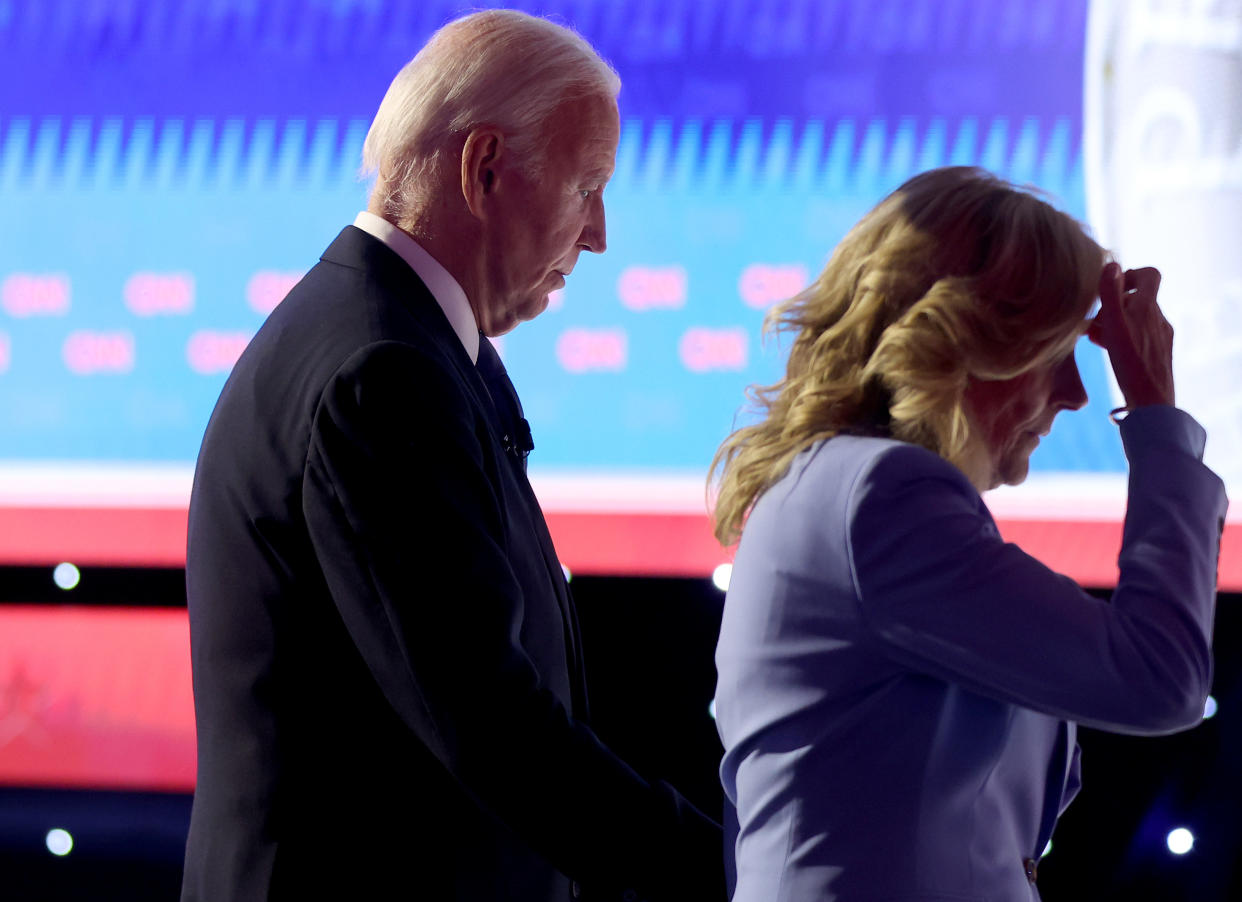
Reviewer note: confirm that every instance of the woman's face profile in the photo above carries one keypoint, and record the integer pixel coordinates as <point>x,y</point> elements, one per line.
<point>1009,416</point>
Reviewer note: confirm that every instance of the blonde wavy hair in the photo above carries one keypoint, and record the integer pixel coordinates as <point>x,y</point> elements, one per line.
<point>956,274</point>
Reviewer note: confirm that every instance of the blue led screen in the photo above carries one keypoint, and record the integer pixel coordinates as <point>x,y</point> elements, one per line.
<point>167,169</point>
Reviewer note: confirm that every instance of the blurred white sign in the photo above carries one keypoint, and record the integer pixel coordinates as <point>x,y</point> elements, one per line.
<point>1162,149</point>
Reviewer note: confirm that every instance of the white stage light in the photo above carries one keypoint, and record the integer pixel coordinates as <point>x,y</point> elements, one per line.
<point>1209,708</point>
<point>59,842</point>
<point>721,576</point>
<point>1180,841</point>
<point>66,576</point>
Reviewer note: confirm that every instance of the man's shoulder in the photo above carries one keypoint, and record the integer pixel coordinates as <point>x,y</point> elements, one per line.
<point>360,293</point>
<point>328,327</point>
<point>357,249</point>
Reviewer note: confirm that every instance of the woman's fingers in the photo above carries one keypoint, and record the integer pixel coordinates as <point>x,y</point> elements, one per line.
<point>1139,340</point>
<point>1111,287</point>
<point>1145,281</point>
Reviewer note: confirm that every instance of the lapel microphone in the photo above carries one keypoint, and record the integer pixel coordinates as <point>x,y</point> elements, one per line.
<point>522,444</point>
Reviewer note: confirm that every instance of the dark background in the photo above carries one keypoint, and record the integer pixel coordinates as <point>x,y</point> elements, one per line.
<point>649,646</point>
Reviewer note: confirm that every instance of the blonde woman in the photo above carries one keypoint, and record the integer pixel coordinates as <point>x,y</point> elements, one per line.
<point>898,687</point>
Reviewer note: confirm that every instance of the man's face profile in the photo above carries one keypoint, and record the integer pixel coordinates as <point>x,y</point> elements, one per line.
<point>542,223</point>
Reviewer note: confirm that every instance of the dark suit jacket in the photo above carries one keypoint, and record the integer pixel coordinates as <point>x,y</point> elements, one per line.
<point>387,671</point>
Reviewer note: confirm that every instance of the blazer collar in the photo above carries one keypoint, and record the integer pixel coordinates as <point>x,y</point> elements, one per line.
<point>439,281</point>
<point>359,250</point>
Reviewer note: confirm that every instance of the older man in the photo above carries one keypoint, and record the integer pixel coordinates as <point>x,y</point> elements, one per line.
<point>387,668</point>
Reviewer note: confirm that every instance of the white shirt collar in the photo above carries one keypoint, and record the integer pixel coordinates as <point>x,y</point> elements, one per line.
<point>439,281</point>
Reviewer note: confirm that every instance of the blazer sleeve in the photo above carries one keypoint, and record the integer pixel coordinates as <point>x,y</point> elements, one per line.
<point>943,594</point>
<point>408,528</point>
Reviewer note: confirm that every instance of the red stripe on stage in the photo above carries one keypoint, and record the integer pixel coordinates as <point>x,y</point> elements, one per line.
<point>119,537</point>
<point>100,697</point>
<point>617,544</point>
<point>636,544</point>
<point>96,697</point>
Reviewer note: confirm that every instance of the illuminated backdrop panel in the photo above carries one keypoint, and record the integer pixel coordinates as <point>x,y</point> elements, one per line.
<point>168,169</point>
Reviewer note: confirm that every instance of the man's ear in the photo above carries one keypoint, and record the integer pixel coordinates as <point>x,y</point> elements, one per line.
<point>480,170</point>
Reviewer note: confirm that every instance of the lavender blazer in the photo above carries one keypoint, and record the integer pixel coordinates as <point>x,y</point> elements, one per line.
<point>899,687</point>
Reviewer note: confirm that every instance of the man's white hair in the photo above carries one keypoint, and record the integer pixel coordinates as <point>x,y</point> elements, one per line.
<point>499,67</point>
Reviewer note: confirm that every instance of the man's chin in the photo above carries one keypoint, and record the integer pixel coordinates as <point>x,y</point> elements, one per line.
<point>520,313</point>
<point>532,308</point>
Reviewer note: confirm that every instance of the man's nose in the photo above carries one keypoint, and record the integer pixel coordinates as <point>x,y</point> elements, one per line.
<point>594,236</point>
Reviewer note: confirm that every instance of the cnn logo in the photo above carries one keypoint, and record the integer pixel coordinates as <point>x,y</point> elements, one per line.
<point>764,284</point>
<point>653,287</point>
<point>593,350</point>
<point>159,294</point>
<point>88,353</point>
<point>703,350</point>
<point>28,294</point>
<point>209,352</point>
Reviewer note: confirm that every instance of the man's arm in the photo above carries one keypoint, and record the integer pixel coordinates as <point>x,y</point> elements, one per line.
<point>405,519</point>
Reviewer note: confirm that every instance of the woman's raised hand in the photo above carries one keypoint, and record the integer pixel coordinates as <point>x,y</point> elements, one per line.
<point>1139,340</point>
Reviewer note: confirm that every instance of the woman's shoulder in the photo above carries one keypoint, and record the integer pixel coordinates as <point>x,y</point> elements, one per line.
<point>833,473</point>
<point>855,457</point>
<point>850,472</point>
